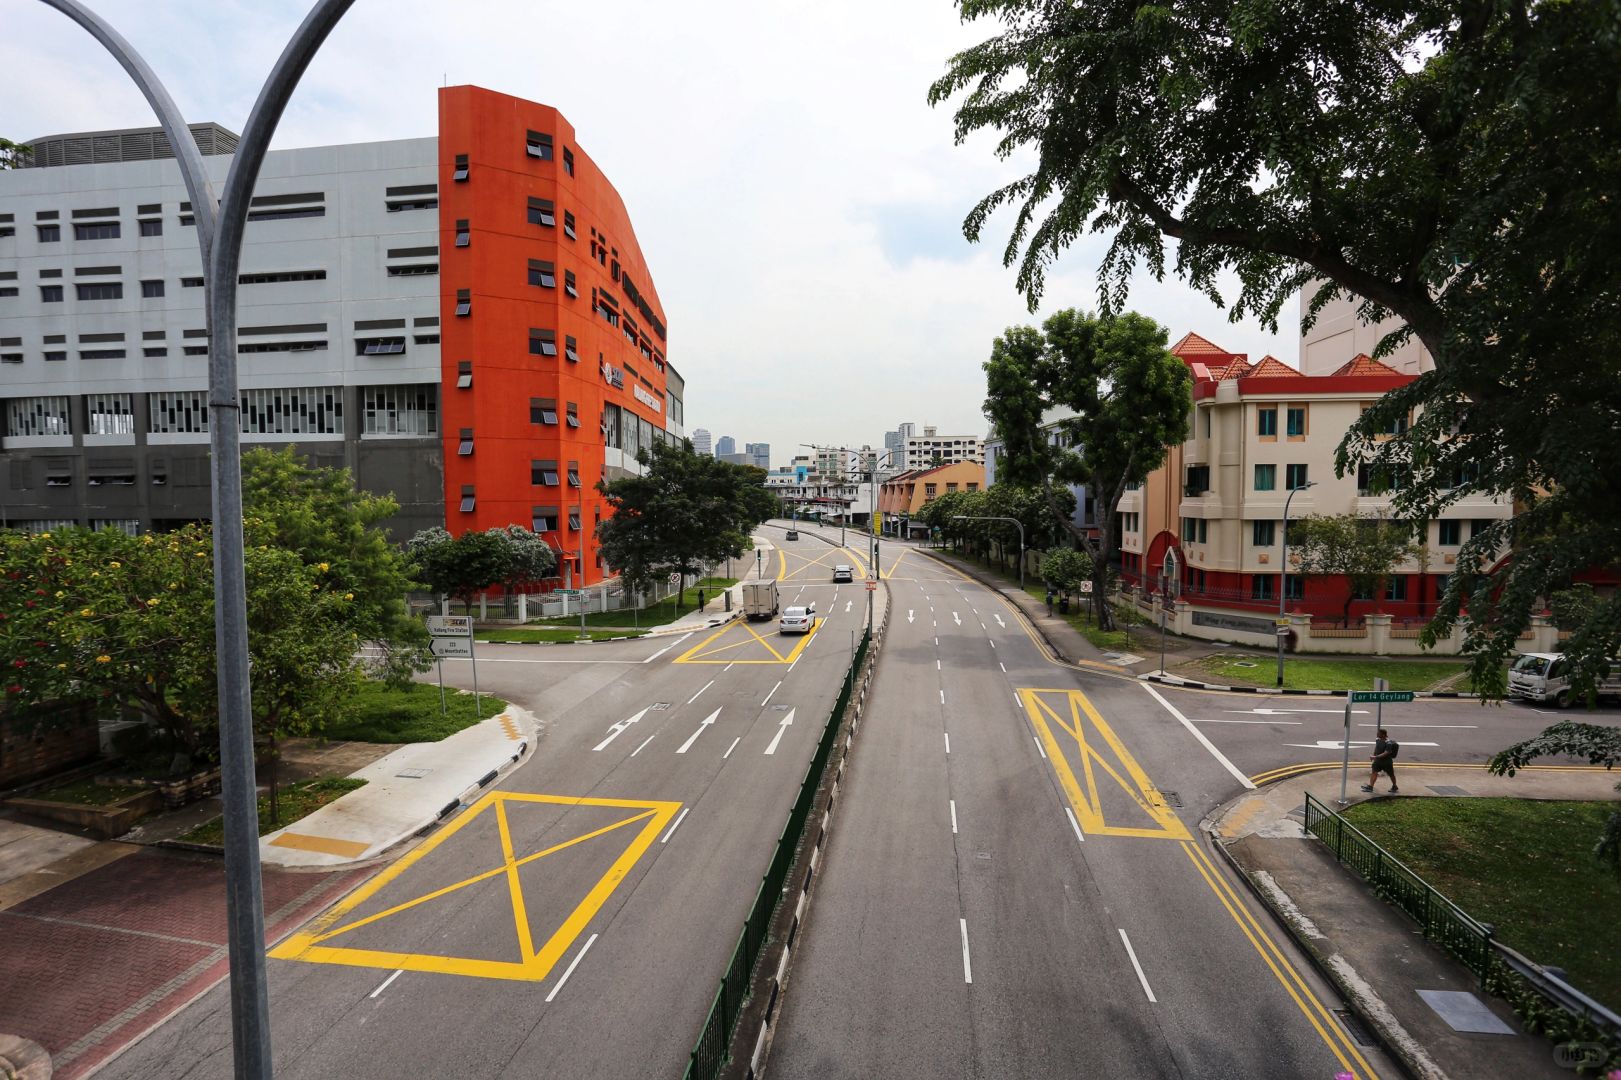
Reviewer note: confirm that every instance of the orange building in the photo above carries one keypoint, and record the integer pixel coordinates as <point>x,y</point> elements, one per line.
<point>553,339</point>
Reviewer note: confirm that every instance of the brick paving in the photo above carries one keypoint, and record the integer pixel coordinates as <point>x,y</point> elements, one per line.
<point>98,961</point>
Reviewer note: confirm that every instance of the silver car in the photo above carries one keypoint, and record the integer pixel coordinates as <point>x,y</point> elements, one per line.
<point>797,620</point>
<point>843,572</point>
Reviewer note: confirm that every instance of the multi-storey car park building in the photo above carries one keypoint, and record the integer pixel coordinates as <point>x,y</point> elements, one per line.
<point>465,321</point>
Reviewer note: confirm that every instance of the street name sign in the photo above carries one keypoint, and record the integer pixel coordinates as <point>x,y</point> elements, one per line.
<point>1381,695</point>
<point>446,626</point>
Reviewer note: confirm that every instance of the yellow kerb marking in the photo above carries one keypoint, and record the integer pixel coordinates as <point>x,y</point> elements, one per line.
<point>509,727</point>
<point>533,965</point>
<point>325,845</point>
<point>743,635</point>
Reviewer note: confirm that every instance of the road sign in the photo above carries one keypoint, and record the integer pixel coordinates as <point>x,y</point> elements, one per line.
<point>675,578</point>
<point>872,585</point>
<point>442,626</point>
<point>461,647</point>
<point>1086,588</point>
<point>1381,695</point>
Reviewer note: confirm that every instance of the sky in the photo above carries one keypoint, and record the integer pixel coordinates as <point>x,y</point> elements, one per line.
<point>798,201</point>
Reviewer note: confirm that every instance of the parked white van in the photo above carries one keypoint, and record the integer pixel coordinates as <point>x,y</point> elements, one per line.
<point>1545,677</point>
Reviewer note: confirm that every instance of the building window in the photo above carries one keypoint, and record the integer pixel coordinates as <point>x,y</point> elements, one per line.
<point>38,416</point>
<point>109,414</point>
<point>1296,421</point>
<point>464,374</point>
<point>1206,414</point>
<point>95,230</point>
<point>572,415</point>
<point>1263,533</point>
<point>461,168</point>
<point>49,234</point>
<point>568,160</point>
<point>155,351</point>
<point>1477,526</point>
<point>464,235</point>
<point>381,346</point>
<point>100,290</point>
<point>543,473</point>
<point>568,224</point>
<point>569,285</point>
<point>1198,481</point>
<point>101,354</point>
<point>1294,477</point>
<point>469,500</point>
<point>1396,587</point>
<point>542,274</point>
<point>542,212</point>
<point>1294,587</point>
<point>1261,587</point>
<point>414,270</point>
<point>571,349</point>
<point>1266,477</point>
<point>464,301</point>
<point>1267,422</point>
<point>151,226</point>
<point>298,410</point>
<point>177,412</point>
<point>543,519</point>
<point>191,283</point>
<point>542,342</point>
<point>538,144</point>
<point>574,517</point>
<point>50,294</point>
<point>464,447</point>
<point>543,410</point>
<point>1450,533</point>
<point>574,477</point>
<point>151,290</point>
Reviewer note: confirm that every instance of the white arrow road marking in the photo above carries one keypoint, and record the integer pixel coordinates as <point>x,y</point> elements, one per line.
<point>1269,723</point>
<point>782,727</point>
<point>909,615</point>
<point>847,604</point>
<point>1339,744</point>
<point>1394,726</point>
<point>999,622</point>
<point>956,618</point>
<point>619,729</point>
<point>705,722</point>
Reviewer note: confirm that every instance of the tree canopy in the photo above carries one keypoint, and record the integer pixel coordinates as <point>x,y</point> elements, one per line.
<point>1598,743</point>
<point>13,154</point>
<point>1451,165</point>
<point>466,565</point>
<point>1120,398</point>
<point>1363,550</point>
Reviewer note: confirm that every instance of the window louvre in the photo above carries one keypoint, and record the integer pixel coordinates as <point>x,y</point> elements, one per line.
<point>542,212</point>
<point>568,161</point>
<point>573,415</point>
<point>464,236</point>
<point>464,374</point>
<point>461,168</point>
<point>568,224</point>
<point>468,498</point>
<point>386,346</point>
<point>542,342</point>
<point>538,145</point>
<point>543,410</point>
<point>465,447</point>
<point>543,274</point>
<point>571,349</point>
<point>544,519</point>
<point>464,301</point>
<point>543,473</point>
<point>409,409</point>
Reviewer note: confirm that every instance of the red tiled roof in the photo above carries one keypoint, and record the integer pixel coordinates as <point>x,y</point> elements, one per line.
<point>1271,367</point>
<point>1236,368</point>
<point>1194,345</point>
<point>1363,364</point>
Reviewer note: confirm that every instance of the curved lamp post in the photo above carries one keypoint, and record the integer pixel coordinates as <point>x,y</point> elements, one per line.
<point>219,240</point>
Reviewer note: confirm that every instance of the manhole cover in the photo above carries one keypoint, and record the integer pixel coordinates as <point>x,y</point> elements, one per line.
<point>780,708</point>
<point>413,774</point>
<point>660,706</point>
<point>1171,799</point>
<point>1353,1023</point>
<point>1448,789</point>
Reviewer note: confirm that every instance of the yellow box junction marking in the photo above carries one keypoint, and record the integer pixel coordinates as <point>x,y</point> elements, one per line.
<point>1102,756</point>
<point>824,560</point>
<point>744,636</point>
<point>326,845</point>
<point>532,964</point>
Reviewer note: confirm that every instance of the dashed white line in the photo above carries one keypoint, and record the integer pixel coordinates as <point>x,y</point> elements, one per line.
<point>1001,665</point>
<point>673,827</point>
<point>1017,704</point>
<point>774,689</point>
<point>1039,748</point>
<point>700,693</point>
<point>953,815</point>
<point>1197,734</point>
<point>727,668</point>
<point>937,664</point>
<point>967,969</point>
<point>948,741</point>
<point>1076,825</point>
<point>942,697</point>
<point>645,741</point>
<point>574,964</point>
<point>1140,976</point>
<point>732,747</point>
<point>400,972</point>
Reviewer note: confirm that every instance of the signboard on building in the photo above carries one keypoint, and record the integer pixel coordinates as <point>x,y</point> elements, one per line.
<point>1241,623</point>
<point>645,398</point>
<point>613,376</point>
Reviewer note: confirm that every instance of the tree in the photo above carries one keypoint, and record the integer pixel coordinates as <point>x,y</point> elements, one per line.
<point>462,566</point>
<point>1064,568</point>
<point>1599,744</point>
<point>1451,165</point>
<point>531,557</point>
<point>1364,550</point>
<point>13,155</point>
<point>1129,399</point>
<point>685,510</point>
<point>1044,519</point>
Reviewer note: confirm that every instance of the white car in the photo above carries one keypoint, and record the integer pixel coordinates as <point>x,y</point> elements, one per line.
<point>797,620</point>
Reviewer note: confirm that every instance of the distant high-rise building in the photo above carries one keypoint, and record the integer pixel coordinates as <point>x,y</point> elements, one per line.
<point>759,455</point>
<point>894,446</point>
<point>932,448</point>
<point>906,431</point>
<point>700,442</point>
<point>725,445</point>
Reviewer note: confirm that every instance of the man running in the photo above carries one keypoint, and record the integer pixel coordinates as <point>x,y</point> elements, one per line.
<point>1385,750</point>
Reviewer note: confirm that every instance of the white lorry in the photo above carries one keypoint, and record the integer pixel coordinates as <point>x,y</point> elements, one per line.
<point>1545,678</point>
<point>759,600</point>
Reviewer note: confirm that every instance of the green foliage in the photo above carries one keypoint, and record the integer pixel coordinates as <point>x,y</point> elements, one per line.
<point>1125,398</point>
<point>1365,550</point>
<point>1599,744</point>
<point>1303,673</point>
<point>1575,607</point>
<point>685,510</point>
<point>13,155</point>
<point>1063,569</point>
<point>295,801</point>
<point>466,565</point>
<point>379,713</point>
<point>1452,165</point>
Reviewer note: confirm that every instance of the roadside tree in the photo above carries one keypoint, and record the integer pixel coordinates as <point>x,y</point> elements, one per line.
<point>1064,568</point>
<point>1365,550</point>
<point>461,566</point>
<point>1599,744</point>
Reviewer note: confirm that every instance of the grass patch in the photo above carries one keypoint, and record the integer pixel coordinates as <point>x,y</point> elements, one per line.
<point>87,793</point>
<point>1525,866</point>
<point>559,633</point>
<point>297,800</point>
<point>1300,673</point>
<point>381,715</point>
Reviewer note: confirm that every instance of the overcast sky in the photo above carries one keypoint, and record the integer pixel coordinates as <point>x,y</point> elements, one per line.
<point>798,202</point>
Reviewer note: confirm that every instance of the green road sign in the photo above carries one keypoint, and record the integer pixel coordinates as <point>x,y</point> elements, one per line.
<point>1381,695</point>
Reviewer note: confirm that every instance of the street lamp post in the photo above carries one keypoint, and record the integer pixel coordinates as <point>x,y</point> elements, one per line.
<point>1283,572</point>
<point>1016,522</point>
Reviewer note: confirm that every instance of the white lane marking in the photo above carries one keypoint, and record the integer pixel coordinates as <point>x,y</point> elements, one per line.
<point>1140,976</point>
<point>727,668</point>
<point>671,830</point>
<point>967,969</point>
<point>1017,704</point>
<point>732,747</point>
<point>645,741</point>
<point>705,722</point>
<point>668,647</point>
<point>576,963</point>
<point>774,689</point>
<point>700,693</point>
<point>396,975</point>
<point>1076,825</point>
<point>937,665</point>
<point>796,661</point>
<point>953,815</point>
<point>993,644</point>
<point>1001,665</point>
<point>948,741</point>
<point>936,643</point>
<point>1294,723</point>
<point>1039,748</point>
<point>619,729</point>
<point>782,727</point>
<point>1197,734</point>
<point>1422,725</point>
<point>942,697</point>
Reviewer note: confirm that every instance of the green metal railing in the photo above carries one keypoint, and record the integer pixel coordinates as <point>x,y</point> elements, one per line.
<point>709,1053</point>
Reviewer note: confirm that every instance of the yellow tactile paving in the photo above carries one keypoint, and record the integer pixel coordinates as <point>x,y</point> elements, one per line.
<point>326,845</point>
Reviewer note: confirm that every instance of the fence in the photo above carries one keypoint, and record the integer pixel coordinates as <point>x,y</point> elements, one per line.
<point>710,1052</point>
<point>1545,1003</point>
<point>603,596</point>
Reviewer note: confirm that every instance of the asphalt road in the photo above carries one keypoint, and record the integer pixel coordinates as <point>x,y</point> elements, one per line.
<point>574,922</point>
<point>1015,885</point>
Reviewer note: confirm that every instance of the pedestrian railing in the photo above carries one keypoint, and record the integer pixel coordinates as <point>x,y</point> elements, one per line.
<point>1545,1003</point>
<point>710,1052</point>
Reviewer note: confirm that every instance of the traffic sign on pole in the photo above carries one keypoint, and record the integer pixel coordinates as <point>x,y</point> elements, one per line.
<point>450,626</point>
<point>871,585</point>
<point>1381,695</point>
<point>458,647</point>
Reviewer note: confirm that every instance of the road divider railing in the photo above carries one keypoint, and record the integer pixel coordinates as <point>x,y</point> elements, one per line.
<point>713,1048</point>
<point>1545,1003</point>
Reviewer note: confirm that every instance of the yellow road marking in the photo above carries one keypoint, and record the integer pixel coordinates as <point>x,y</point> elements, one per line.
<point>509,727</point>
<point>532,965</point>
<point>1088,804</point>
<point>703,653</point>
<point>861,567</point>
<point>1286,772</point>
<point>326,845</point>
<point>782,564</point>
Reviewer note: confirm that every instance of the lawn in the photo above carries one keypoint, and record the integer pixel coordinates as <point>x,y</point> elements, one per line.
<point>558,633</point>
<point>297,800</point>
<point>1300,673</point>
<point>1527,867</point>
<point>87,793</point>
<point>381,715</point>
<point>665,611</point>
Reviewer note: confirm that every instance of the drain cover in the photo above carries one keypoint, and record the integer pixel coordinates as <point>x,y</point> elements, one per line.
<point>779,708</point>
<point>1353,1023</point>
<point>660,706</point>
<point>1171,799</point>
<point>413,774</point>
